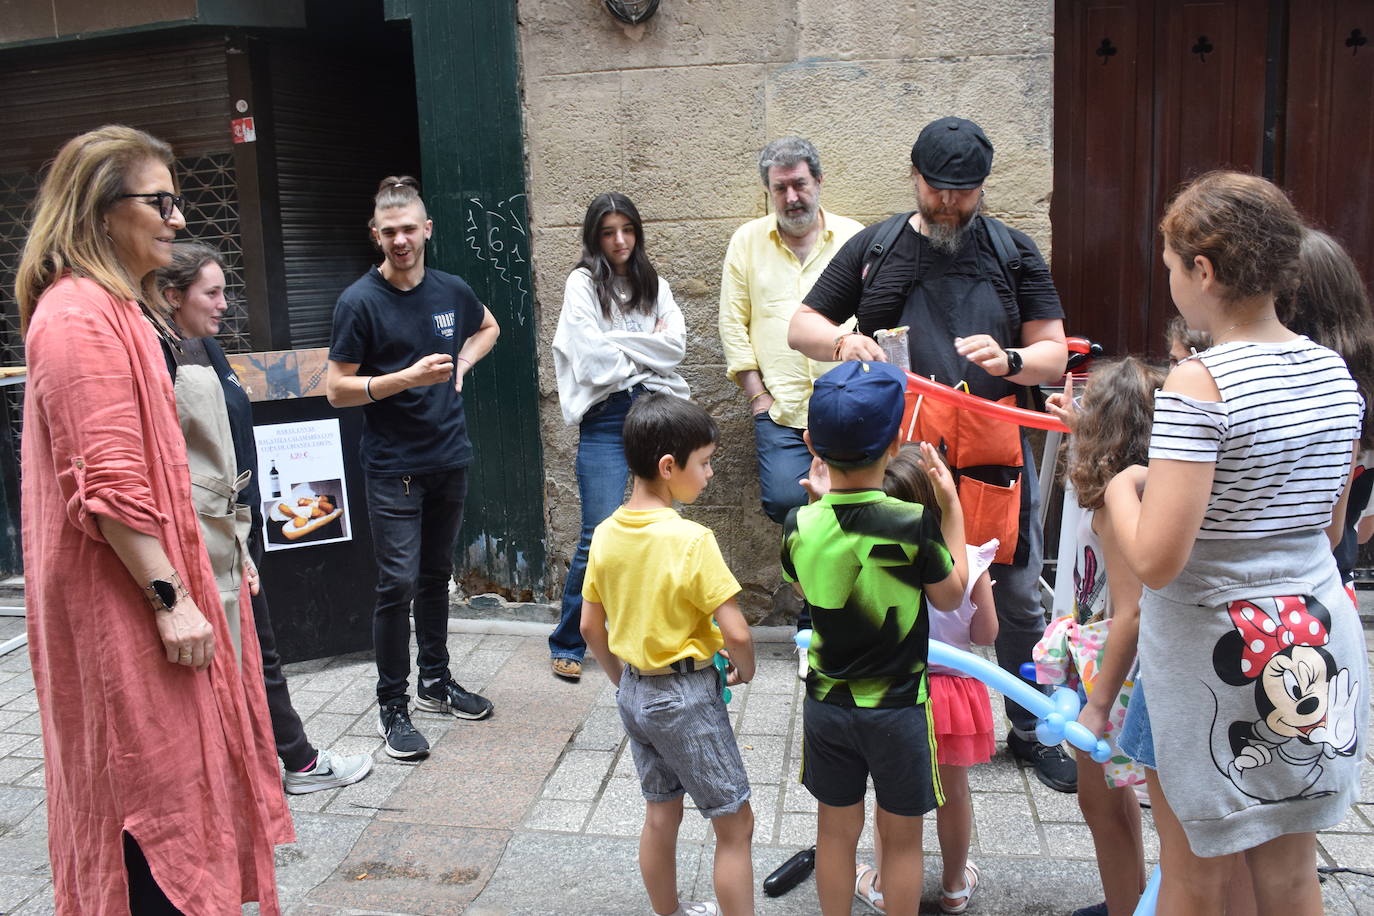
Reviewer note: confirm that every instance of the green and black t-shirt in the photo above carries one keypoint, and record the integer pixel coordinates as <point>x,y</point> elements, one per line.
<point>863,560</point>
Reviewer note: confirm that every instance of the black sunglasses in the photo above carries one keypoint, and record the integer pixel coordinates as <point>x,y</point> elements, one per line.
<point>167,202</point>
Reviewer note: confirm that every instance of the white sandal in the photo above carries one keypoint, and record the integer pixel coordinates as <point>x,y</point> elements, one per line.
<point>871,898</point>
<point>963,895</point>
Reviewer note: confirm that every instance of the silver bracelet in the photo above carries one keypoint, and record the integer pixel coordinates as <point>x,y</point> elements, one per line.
<point>367,389</point>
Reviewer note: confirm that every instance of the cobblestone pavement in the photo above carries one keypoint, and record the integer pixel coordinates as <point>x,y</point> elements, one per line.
<point>537,810</point>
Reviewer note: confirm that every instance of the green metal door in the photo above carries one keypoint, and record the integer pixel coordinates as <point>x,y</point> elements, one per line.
<point>472,157</point>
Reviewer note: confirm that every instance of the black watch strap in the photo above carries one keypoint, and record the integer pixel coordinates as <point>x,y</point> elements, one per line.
<point>1014,362</point>
<point>163,594</point>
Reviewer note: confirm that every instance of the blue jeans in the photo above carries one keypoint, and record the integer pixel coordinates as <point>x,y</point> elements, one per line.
<point>783,460</point>
<point>601,477</point>
<point>415,521</point>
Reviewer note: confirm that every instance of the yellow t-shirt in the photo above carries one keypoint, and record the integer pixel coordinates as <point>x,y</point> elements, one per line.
<point>660,578</point>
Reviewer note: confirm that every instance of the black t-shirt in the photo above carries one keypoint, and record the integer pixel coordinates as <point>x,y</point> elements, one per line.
<point>838,292</point>
<point>384,329</point>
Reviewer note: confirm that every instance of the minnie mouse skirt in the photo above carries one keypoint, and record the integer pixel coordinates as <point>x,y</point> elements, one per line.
<point>962,712</point>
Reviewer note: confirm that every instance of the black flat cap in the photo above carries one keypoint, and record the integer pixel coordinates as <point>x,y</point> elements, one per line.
<point>952,153</point>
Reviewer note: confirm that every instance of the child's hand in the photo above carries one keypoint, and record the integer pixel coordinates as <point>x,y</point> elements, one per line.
<point>939,475</point>
<point>1061,407</point>
<point>1094,719</point>
<point>732,678</point>
<point>817,482</point>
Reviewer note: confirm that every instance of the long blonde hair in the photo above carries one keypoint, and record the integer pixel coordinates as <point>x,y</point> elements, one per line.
<point>68,233</point>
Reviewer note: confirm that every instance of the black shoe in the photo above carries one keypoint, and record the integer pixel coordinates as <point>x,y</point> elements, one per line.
<point>449,696</point>
<point>402,740</point>
<point>1097,909</point>
<point>1052,766</point>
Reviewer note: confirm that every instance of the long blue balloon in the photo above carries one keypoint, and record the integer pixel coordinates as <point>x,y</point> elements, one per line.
<point>1150,899</point>
<point>1057,714</point>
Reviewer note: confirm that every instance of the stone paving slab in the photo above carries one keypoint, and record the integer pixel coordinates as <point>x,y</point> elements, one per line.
<point>405,868</point>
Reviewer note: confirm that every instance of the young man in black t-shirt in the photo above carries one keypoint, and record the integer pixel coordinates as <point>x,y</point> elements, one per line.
<point>972,319</point>
<point>404,339</point>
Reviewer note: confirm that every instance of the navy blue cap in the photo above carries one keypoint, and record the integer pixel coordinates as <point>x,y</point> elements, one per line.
<point>856,410</point>
<point>952,154</point>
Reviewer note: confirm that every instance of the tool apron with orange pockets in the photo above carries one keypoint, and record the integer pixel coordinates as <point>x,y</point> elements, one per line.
<point>957,297</point>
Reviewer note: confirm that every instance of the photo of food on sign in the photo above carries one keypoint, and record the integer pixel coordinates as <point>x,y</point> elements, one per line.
<point>306,513</point>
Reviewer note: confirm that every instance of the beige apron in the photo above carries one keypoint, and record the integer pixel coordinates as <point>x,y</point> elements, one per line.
<point>215,483</point>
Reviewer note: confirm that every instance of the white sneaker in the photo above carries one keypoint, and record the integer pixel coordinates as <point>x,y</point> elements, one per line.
<point>330,771</point>
<point>705,908</point>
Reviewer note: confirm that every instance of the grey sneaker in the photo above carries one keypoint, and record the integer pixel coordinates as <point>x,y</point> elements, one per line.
<point>449,696</point>
<point>330,771</point>
<point>402,740</point>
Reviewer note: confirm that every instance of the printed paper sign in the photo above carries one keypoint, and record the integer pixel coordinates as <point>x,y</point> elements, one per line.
<point>304,497</point>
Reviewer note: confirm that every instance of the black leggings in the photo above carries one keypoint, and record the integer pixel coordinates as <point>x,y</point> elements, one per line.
<point>145,897</point>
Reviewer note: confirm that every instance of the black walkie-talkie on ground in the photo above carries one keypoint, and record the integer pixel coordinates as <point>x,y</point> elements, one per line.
<point>790,873</point>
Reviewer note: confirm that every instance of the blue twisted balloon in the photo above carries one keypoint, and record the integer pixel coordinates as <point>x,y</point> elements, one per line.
<point>1057,714</point>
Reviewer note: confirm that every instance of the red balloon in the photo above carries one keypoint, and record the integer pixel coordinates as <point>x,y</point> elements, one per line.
<point>965,401</point>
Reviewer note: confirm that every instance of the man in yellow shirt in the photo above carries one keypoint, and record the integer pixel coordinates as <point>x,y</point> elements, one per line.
<point>769,267</point>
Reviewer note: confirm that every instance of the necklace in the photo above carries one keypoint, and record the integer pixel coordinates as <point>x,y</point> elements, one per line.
<point>1241,324</point>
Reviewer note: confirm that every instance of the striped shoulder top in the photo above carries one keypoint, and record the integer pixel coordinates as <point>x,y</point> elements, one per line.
<point>1281,436</point>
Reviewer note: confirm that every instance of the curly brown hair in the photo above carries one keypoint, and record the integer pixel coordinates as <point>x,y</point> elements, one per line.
<point>1244,225</point>
<point>1178,332</point>
<point>1112,431</point>
<point>1331,306</point>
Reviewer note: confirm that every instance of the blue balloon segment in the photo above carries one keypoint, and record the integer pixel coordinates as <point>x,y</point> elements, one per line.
<point>1057,714</point>
<point>1149,899</point>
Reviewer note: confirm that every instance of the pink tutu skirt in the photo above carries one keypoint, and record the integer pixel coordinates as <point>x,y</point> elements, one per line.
<point>962,712</point>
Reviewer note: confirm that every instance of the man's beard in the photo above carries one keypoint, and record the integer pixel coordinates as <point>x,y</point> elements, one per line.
<point>944,237</point>
<point>798,225</point>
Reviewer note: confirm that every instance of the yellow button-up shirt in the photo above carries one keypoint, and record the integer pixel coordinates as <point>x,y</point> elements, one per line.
<point>762,284</point>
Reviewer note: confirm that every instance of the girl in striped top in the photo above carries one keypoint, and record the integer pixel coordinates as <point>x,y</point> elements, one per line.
<point>1252,656</point>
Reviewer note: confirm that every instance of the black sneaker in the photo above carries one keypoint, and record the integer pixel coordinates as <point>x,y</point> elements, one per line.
<point>402,740</point>
<point>1052,766</point>
<point>449,696</point>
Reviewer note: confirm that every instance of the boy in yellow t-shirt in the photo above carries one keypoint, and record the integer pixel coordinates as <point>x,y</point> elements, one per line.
<point>654,581</point>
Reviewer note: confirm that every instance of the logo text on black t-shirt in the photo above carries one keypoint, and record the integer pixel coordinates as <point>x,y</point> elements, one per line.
<point>443,324</point>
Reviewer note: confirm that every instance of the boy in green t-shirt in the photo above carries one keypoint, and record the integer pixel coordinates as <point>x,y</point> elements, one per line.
<point>867,564</point>
<point>654,581</point>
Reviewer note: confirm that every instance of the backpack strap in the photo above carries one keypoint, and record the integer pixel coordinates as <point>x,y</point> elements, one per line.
<point>882,245</point>
<point>1009,260</point>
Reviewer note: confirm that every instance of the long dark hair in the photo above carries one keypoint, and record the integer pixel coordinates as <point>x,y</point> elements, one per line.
<point>1331,306</point>
<point>642,277</point>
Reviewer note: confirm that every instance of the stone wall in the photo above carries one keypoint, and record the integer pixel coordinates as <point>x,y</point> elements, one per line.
<point>673,113</point>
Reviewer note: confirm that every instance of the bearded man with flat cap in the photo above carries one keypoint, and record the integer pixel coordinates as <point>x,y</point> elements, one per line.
<point>981,310</point>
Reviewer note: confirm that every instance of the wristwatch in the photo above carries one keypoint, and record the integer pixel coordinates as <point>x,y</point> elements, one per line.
<point>1014,362</point>
<point>163,594</point>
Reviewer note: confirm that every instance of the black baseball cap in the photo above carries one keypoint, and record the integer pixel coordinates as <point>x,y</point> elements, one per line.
<point>856,410</point>
<point>952,154</point>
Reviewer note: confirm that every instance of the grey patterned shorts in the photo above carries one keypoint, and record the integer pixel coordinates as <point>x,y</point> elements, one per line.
<point>682,741</point>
